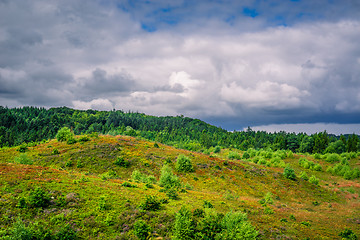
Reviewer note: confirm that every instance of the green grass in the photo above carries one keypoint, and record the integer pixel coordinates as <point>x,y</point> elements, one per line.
<point>97,199</point>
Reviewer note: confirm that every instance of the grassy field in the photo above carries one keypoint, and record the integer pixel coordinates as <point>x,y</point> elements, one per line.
<point>92,194</point>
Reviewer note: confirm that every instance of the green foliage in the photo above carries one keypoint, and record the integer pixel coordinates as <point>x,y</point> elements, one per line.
<point>348,234</point>
<point>66,232</point>
<point>103,203</point>
<point>314,180</point>
<point>23,148</point>
<point>23,159</point>
<point>289,173</point>
<point>246,155</point>
<point>127,184</point>
<point>184,228</point>
<point>150,203</point>
<point>207,204</point>
<point>236,226</point>
<point>55,151</point>
<point>20,232</point>
<point>142,230</point>
<point>168,179</point>
<point>39,198</point>
<point>172,194</point>
<point>183,164</point>
<point>64,135</point>
<point>121,162</point>
<point>304,176</point>
<point>109,175</point>
<point>84,138</point>
<point>217,149</point>
<point>141,177</point>
<point>334,157</point>
<point>234,155</point>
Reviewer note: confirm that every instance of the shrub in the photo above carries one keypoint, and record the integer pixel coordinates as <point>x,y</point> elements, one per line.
<point>142,230</point>
<point>183,164</point>
<point>22,148</point>
<point>210,226</point>
<point>289,173</point>
<point>103,204</point>
<point>207,204</point>
<point>150,203</point>
<point>121,162</point>
<point>246,155</point>
<point>234,155</point>
<point>304,176</point>
<point>314,180</point>
<point>172,194</point>
<point>168,179</point>
<point>23,159</point>
<point>184,228</point>
<point>39,198</point>
<point>20,232</point>
<point>236,226</point>
<point>317,167</point>
<point>84,138</point>
<point>127,184</point>
<point>348,234</point>
<point>217,149</point>
<point>64,134</point>
<point>268,198</point>
<point>332,158</point>
<point>66,232</point>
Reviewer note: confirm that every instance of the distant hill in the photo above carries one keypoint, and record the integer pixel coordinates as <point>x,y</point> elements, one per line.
<point>32,124</point>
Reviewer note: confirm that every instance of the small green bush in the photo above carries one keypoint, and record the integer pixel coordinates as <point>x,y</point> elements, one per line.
<point>348,234</point>
<point>289,173</point>
<point>217,149</point>
<point>314,180</point>
<point>55,151</point>
<point>127,184</point>
<point>64,134</point>
<point>20,232</point>
<point>66,232</point>
<point>183,164</point>
<point>207,204</point>
<point>172,194</point>
<point>121,162</point>
<point>304,176</point>
<point>150,203</point>
<point>332,158</point>
<point>23,148</point>
<point>142,230</point>
<point>236,226</point>
<point>184,228</point>
<point>168,179</point>
<point>317,167</point>
<point>234,155</point>
<point>39,198</point>
<point>23,159</point>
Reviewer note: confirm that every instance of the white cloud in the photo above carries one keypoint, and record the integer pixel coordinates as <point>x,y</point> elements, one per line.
<point>97,104</point>
<point>265,94</point>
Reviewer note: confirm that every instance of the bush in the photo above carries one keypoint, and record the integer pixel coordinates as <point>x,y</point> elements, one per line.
<point>314,180</point>
<point>207,204</point>
<point>168,179</point>
<point>246,155</point>
<point>317,167</point>
<point>183,164</point>
<point>236,226</point>
<point>39,198</point>
<point>22,148</point>
<point>217,149</point>
<point>23,159</point>
<point>142,230</point>
<point>121,162</point>
<point>66,232</point>
<point>172,194</point>
<point>348,234</point>
<point>289,173</point>
<point>151,203</point>
<point>20,232</point>
<point>234,155</point>
<point>184,228</point>
<point>304,176</point>
<point>64,134</point>
<point>332,158</point>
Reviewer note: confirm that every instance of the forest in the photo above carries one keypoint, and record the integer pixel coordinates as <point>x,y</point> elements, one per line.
<point>33,124</point>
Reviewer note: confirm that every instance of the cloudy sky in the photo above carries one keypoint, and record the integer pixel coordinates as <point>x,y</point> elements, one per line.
<point>231,63</point>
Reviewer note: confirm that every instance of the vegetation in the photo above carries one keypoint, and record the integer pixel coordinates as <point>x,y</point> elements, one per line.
<point>115,186</point>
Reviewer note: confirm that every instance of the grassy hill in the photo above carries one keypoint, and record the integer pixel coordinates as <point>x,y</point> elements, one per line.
<point>102,186</point>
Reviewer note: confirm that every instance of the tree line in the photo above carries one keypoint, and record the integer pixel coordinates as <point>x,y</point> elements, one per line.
<point>33,124</point>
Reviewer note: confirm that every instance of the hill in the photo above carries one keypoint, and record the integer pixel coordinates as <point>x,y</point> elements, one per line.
<point>116,187</point>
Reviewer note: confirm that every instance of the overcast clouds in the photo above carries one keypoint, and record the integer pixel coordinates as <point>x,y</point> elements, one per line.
<point>231,63</point>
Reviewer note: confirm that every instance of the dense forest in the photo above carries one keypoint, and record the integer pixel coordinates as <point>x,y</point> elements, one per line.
<point>32,124</point>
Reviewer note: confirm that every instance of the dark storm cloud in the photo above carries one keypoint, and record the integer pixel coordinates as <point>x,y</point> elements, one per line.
<point>234,63</point>
<point>101,83</point>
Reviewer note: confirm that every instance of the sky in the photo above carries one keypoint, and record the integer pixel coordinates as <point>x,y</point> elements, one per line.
<point>293,64</point>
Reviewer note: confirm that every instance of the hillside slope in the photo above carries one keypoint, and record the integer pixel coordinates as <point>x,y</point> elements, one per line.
<point>96,188</point>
